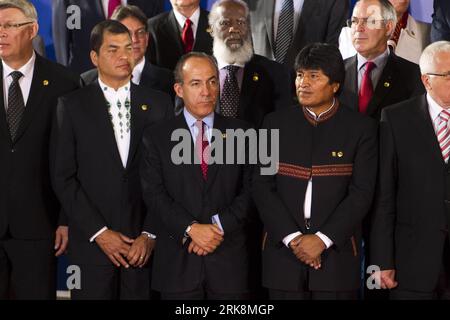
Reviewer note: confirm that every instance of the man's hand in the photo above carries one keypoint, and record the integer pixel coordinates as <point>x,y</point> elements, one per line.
<point>387,279</point>
<point>140,251</point>
<point>207,236</point>
<point>116,246</point>
<point>308,249</point>
<point>195,248</point>
<point>61,240</point>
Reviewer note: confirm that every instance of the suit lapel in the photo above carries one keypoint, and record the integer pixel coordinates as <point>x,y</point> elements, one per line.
<point>102,120</point>
<point>173,31</point>
<point>202,35</point>
<point>3,123</point>
<point>249,88</point>
<point>147,78</point>
<point>351,82</point>
<point>99,9</point>
<point>138,116</point>
<point>269,9</point>
<point>307,10</point>
<point>214,167</point>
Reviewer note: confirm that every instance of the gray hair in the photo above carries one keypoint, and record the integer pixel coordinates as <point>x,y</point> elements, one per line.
<point>388,12</point>
<point>427,59</point>
<point>178,72</point>
<point>214,16</point>
<point>25,6</point>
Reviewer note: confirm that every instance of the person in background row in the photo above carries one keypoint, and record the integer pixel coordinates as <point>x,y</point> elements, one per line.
<point>97,140</point>
<point>32,228</point>
<point>179,31</point>
<point>73,21</point>
<point>440,27</point>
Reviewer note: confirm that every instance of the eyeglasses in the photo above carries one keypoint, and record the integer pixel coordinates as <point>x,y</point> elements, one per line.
<point>14,26</point>
<point>446,75</point>
<point>141,33</point>
<point>371,23</point>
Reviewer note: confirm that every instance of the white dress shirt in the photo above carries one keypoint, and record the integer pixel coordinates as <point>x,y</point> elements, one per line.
<point>307,204</point>
<point>25,82</point>
<point>298,5</point>
<point>434,109</point>
<point>105,5</point>
<point>182,20</point>
<point>137,72</point>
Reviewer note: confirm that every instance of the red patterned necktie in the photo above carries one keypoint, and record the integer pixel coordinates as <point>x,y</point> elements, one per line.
<point>202,147</point>
<point>112,5</point>
<point>366,90</point>
<point>188,36</point>
<point>443,134</point>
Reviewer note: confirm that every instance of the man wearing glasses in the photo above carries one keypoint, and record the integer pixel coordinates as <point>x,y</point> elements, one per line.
<point>376,77</point>
<point>409,236</point>
<point>32,231</point>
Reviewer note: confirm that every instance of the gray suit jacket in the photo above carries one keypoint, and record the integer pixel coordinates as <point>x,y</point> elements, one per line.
<point>320,21</point>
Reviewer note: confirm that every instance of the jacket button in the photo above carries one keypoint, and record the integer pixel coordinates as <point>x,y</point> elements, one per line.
<point>13,150</point>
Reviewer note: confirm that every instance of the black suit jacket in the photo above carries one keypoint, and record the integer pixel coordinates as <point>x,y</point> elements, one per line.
<point>399,81</point>
<point>90,180</point>
<point>440,27</point>
<point>340,155</point>
<point>265,88</point>
<point>177,195</point>
<point>410,223</point>
<point>166,47</point>
<point>28,207</point>
<point>152,76</point>
<point>72,44</point>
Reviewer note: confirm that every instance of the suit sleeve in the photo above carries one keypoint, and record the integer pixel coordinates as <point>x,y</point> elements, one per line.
<point>338,15</point>
<point>440,29</point>
<point>160,205</point>
<point>275,215</point>
<point>75,202</point>
<point>383,220</point>
<point>60,31</point>
<point>350,212</point>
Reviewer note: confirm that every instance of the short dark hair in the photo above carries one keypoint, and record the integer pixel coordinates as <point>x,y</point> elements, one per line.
<point>178,72</point>
<point>130,11</point>
<point>111,26</point>
<point>325,57</point>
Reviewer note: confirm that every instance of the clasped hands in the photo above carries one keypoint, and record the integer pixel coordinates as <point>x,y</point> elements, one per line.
<point>124,251</point>
<point>308,249</point>
<point>205,238</point>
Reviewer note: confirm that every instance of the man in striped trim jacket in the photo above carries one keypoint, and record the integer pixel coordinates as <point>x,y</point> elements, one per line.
<point>312,208</point>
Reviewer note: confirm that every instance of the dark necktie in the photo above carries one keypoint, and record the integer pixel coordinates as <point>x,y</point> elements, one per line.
<point>202,145</point>
<point>188,36</point>
<point>112,5</point>
<point>285,30</point>
<point>366,90</point>
<point>229,101</point>
<point>16,105</point>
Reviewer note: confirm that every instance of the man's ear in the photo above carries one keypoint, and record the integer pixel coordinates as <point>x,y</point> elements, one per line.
<point>94,58</point>
<point>178,89</point>
<point>426,82</point>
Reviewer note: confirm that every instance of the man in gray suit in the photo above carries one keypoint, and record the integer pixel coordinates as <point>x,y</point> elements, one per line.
<point>281,28</point>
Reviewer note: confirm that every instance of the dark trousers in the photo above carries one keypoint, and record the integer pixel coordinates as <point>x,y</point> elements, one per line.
<point>203,293</point>
<point>107,282</point>
<point>312,295</point>
<point>27,269</point>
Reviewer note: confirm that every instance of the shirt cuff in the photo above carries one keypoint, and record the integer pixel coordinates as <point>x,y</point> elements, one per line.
<point>290,237</point>
<point>149,234</point>
<point>325,239</point>
<point>216,220</point>
<point>98,233</point>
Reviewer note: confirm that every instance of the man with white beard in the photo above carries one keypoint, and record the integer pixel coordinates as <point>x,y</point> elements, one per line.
<point>251,85</point>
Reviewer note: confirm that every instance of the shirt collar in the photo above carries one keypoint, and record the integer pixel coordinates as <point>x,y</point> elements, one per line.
<point>122,92</point>
<point>26,69</point>
<point>191,120</point>
<point>324,116</point>
<point>433,107</point>
<point>137,71</point>
<point>379,61</point>
<point>182,19</point>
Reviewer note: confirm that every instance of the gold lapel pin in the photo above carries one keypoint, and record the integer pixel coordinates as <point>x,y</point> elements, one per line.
<point>333,154</point>
<point>45,82</point>
<point>144,107</point>
<point>255,77</point>
<point>209,30</point>
<point>340,154</point>
<point>387,84</point>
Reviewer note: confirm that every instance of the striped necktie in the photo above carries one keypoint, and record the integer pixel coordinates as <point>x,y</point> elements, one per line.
<point>285,31</point>
<point>443,134</point>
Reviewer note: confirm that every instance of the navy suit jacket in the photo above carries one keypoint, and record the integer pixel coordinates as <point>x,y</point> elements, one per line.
<point>440,28</point>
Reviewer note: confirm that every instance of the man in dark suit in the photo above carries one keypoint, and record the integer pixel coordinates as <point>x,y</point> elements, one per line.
<point>144,73</point>
<point>181,30</point>
<point>97,142</point>
<point>201,206</point>
<point>313,206</point>
<point>409,238</point>
<point>310,21</point>
<point>375,77</point>
<point>73,20</point>
<point>440,27</point>
<point>29,210</point>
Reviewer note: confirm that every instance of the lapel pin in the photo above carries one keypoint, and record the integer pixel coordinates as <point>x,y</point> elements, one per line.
<point>45,82</point>
<point>144,107</point>
<point>209,30</point>
<point>340,154</point>
<point>333,154</point>
<point>387,84</point>
<point>224,135</point>
<point>255,77</point>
